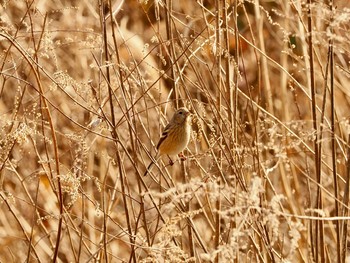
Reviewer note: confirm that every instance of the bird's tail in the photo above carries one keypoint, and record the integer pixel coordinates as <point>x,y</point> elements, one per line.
<point>148,168</point>
<point>155,159</point>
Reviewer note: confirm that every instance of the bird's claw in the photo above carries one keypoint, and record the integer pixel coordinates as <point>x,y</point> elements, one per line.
<point>182,157</point>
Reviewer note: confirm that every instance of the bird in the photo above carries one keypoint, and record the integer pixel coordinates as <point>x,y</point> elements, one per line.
<point>175,137</point>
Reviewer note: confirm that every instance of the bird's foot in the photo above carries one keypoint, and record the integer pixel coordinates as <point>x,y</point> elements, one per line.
<point>171,162</point>
<point>182,157</point>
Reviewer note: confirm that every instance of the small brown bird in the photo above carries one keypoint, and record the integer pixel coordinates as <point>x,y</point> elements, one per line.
<point>175,136</point>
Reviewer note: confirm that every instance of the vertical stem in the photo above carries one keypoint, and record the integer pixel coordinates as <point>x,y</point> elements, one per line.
<point>219,102</point>
<point>103,24</point>
<point>285,65</point>
<point>233,90</point>
<point>228,72</point>
<point>319,224</point>
<point>186,179</point>
<point>115,136</point>
<point>264,66</point>
<point>334,150</point>
<point>170,36</point>
<point>217,220</point>
<point>344,230</point>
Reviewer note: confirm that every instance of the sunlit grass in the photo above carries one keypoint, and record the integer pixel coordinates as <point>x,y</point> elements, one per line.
<point>83,101</point>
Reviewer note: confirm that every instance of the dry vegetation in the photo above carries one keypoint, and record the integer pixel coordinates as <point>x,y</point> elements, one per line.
<point>84,99</point>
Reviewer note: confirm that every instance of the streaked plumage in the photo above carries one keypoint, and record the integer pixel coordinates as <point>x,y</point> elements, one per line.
<point>176,135</point>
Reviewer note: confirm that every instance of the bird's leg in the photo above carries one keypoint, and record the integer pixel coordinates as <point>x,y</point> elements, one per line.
<point>171,162</point>
<point>182,157</point>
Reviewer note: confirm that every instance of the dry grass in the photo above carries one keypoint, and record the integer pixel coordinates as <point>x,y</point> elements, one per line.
<point>84,99</point>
